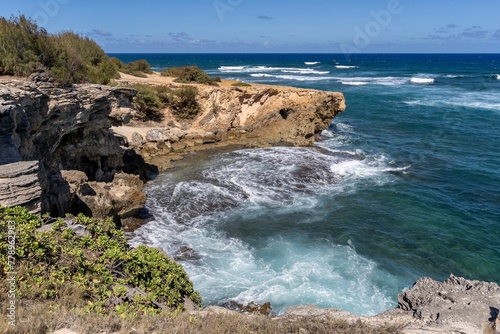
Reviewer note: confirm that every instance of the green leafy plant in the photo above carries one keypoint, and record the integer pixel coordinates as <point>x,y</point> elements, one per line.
<point>99,265</point>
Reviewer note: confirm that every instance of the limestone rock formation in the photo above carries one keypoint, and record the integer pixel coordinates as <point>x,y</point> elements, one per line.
<point>256,116</point>
<point>457,303</point>
<point>46,129</point>
<point>454,306</point>
<point>19,185</point>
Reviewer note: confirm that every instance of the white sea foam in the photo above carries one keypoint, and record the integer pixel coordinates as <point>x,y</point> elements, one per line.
<point>304,71</point>
<point>498,76</point>
<point>262,75</point>
<point>312,62</point>
<point>290,77</point>
<point>485,100</point>
<point>354,83</point>
<point>257,69</point>
<point>345,67</point>
<point>285,269</point>
<point>421,81</point>
<point>232,68</point>
<point>385,81</point>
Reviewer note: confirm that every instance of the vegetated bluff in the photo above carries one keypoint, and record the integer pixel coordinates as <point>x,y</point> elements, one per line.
<point>59,154</point>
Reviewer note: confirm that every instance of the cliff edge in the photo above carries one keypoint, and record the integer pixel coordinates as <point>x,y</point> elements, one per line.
<point>78,149</point>
<point>252,115</point>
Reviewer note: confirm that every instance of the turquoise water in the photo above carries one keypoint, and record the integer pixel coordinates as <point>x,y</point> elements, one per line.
<point>404,184</point>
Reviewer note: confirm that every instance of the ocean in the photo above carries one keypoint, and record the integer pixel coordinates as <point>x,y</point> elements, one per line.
<point>405,183</point>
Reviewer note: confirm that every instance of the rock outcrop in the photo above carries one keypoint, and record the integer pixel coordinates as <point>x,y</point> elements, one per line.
<point>72,149</point>
<point>456,305</point>
<point>256,116</point>
<point>19,185</point>
<point>464,306</point>
<point>46,130</point>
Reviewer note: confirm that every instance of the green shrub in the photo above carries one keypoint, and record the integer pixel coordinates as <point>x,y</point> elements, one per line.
<point>140,66</point>
<point>100,266</point>
<point>68,57</point>
<point>147,101</point>
<point>184,104</point>
<point>190,74</point>
<point>137,68</point>
<point>150,100</point>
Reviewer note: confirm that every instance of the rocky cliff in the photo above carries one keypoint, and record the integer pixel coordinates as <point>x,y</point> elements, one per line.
<point>47,131</point>
<point>257,115</point>
<point>74,149</point>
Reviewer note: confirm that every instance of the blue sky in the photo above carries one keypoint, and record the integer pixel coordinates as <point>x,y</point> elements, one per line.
<point>273,26</point>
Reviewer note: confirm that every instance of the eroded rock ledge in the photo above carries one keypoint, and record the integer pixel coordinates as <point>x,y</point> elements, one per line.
<point>58,154</point>
<point>456,305</point>
<point>256,116</point>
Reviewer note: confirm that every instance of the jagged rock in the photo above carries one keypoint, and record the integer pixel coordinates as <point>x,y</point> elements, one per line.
<point>71,224</point>
<point>155,135</point>
<point>67,128</point>
<point>256,116</point>
<point>455,303</point>
<point>41,76</point>
<point>250,308</point>
<point>137,139</point>
<point>186,253</point>
<point>121,198</point>
<point>19,185</point>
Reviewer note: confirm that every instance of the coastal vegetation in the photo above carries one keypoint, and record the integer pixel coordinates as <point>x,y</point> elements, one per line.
<point>190,74</point>
<point>91,260</point>
<point>150,100</point>
<point>67,57</point>
<point>138,68</point>
<point>240,84</point>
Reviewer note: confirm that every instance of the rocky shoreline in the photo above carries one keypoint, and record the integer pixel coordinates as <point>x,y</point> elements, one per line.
<point>79,149</point>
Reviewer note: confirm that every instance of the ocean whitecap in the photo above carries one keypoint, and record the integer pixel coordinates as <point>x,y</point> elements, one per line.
<point>354,83</point>
<point>422,81</point>
<point>345,67</point>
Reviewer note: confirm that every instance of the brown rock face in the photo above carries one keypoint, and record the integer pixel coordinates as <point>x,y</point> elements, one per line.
<point>256,116</point>
<point>268,114</point>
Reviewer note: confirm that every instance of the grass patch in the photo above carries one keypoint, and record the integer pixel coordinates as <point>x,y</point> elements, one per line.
<point>190,74</point>
<point>42,317</point>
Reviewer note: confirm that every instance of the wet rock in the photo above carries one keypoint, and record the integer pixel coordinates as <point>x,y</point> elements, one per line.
<point>187,254</point>
<point>250,308</point>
